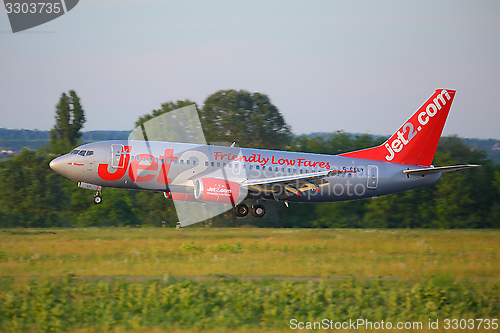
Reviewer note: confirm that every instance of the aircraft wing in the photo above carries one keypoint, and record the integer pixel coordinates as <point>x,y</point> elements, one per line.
<point>427,171</point>
<point>287,185</point>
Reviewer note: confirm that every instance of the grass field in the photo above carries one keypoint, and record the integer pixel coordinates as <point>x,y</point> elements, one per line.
<point>250,252</point>
<point>167,280</point>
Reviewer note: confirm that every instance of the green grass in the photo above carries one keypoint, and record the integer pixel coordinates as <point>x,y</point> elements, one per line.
<point>68,303</point>
<point>426,274</point>
<point>250,252</point>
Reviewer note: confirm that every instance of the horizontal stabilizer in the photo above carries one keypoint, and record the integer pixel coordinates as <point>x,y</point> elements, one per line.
<point>427,171</point>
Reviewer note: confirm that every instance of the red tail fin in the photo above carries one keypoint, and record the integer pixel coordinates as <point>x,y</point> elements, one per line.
<point>416,140</point>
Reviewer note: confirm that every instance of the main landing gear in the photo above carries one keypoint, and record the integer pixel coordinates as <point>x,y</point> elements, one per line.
<point>241,210</point>
<point>258,210</point>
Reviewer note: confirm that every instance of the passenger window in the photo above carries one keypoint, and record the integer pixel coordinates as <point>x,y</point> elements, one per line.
<point>294,170</point>
<point>236,165</point>
<point>218,164</point>
<point>276,169</point>
<point>175,161</point>
<point>212,164</point>
<point>206,163</point>
<point>229,165</point>
<point>82,152</point>
<point>162,160</point>
<point>244,166</point>
<point>194,162</point>
<point>223,165</point>
<point>168,160</point>
<point>282,169</point>
<point>89,153</point>
<point>307,171</point>
<point>182,161</point>
<point>187,161</point>
<point>270,169</point>
<point>257,167</point>
<point>300,170</point>
<point>288,169</point>
<point>250,167</point>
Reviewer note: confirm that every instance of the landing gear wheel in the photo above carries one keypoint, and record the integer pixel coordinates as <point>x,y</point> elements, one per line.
<point>258,210</point>
<point>97,199</point>
<point>240,210</point>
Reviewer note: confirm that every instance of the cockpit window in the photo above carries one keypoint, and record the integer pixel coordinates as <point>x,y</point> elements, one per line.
<point>82,152</point>
<point>89,152</point>
<point>75,151</point>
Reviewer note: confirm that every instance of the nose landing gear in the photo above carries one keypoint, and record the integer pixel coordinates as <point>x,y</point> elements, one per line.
<point>97,198</point>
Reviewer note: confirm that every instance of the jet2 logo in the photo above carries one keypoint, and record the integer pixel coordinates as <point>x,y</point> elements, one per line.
<point>26,14</point>
<point>431,110</point>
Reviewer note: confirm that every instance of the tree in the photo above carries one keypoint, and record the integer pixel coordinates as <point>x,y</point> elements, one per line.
<point>494,218</point>
<point>32,195</point>
<point>69,120</point>
<point>165,107</point>
<point>165,125</point>
<point>463,199</point>
<point>250,119</point>
<point>116,210</point>
<point>333,143</point>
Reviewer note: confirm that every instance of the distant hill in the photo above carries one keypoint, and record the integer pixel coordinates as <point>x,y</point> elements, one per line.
<point>15,140</point>
<point>322,134</point>
<point>491,146</point>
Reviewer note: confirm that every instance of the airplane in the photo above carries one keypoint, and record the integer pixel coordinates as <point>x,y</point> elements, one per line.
<point>220,174</point>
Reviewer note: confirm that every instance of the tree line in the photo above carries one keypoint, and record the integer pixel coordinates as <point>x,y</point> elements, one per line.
<point>32,195</point>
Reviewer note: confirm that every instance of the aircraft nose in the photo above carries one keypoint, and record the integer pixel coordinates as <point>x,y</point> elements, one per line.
<point>57,164</point>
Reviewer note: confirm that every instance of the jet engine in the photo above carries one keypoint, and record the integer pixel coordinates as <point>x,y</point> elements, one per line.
<point>218,190</point>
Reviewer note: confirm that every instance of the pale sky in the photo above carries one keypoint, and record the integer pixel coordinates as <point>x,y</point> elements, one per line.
<point>358,66</point>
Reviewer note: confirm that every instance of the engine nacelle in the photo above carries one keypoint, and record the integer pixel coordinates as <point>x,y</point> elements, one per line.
<point>218,190</point>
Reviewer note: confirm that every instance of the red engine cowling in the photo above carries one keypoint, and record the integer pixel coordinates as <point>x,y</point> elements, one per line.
<point>218,190</point>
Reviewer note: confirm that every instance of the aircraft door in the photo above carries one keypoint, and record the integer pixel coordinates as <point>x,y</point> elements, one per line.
<point>116,151</point>
<point>372,181</point>
<point>237,168</point>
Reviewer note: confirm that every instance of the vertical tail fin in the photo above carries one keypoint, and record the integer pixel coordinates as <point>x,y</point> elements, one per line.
<point>415,142</point>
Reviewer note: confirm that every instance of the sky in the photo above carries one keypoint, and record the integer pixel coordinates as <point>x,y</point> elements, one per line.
<point>357,66</point>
